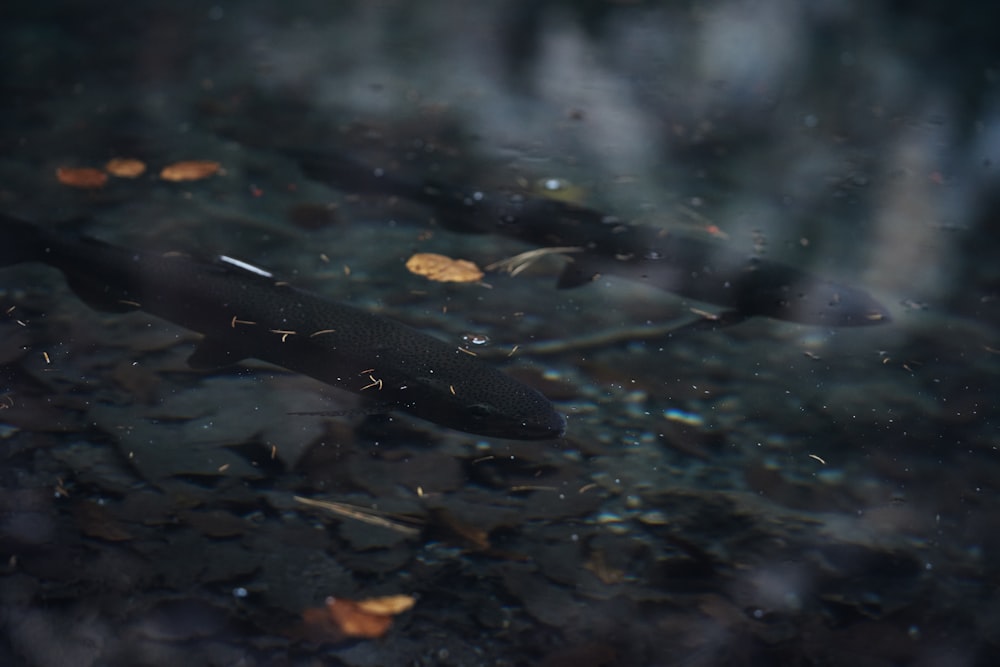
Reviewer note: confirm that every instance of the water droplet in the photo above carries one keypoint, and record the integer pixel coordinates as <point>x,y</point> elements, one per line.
<point>476,339</point>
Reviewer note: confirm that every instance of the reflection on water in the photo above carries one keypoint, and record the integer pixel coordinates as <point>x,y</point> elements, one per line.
<point>742,481</point>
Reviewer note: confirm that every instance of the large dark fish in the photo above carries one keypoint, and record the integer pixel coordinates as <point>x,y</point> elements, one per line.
<point>743,285</point>
<point>244,312</point>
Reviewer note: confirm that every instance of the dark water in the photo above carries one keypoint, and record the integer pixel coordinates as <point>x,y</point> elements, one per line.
<point>765,493</point>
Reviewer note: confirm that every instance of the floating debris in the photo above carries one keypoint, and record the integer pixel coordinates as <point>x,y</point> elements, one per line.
<point>190,170</point>
<point>398,523</point>
<point>518,263</point>
<point>82,177</point>
<point>443,269</point>
<point>123,167</point>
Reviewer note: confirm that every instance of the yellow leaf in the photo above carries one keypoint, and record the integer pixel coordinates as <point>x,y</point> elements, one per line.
<point>443,269</point>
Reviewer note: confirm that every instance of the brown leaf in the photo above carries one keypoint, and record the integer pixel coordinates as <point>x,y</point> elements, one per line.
<point>190,170</point>
<point>124,167</point>
<point>95,521</point>
<point>214,523</point>
<point>389,605</point>
<point>598,564</point>
<point>81,177</point>
<point>462,532</point>
<point>443,269</point>
<point>365,619</point>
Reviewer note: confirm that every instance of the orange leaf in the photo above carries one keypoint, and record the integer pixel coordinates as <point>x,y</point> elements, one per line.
<point>365,619</point>
<point>390,605</point>
<point>123,167</point>
<point>443,269</point>
<point>81,177</point>
<point>190,170</point>
<point>353,621</point>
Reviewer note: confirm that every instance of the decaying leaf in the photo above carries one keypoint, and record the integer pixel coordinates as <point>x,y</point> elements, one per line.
<point>81,177</point>
<point>95,521</point>
<point>340,618</point>
<point>598,564</point>
<point>214,523</point>
<point>443,269</point>
<point>190,170</point>
<point>389,605</point>
<point>461,532</point>
<point>123,167</point>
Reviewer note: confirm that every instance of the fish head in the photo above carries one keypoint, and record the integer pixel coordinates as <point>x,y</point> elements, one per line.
<point>532,422</point>
<point>489,403</point>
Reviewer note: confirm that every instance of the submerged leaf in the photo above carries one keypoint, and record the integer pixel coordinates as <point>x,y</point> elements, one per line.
<point>443,269</point>
<point>123,167</point>
<point>190,170</point>
<point>361,619</point>
<point>81,177</point>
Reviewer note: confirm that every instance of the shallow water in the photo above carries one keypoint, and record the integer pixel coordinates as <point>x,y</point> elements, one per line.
<point>763,493</point>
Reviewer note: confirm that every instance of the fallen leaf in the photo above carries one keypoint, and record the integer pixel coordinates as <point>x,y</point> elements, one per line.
<point>598,564</point>
<point>81,177</point>
<point>190,170</point>
<point>443,269</point>
<point>390,605</point>
<point>341,618</point>
<point>95,521</point>
<point>462,532</point>
<point>214,523</point>
<point>123,167</point>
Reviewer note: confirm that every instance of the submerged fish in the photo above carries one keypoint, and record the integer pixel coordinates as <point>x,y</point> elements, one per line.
<point>244,312</point>
<point>744,286</point>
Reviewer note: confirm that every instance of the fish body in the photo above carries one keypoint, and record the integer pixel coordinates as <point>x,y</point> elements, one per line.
<point>705,271</point>
<point>244,312</point>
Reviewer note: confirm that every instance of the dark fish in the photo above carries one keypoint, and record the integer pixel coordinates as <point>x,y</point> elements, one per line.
<point>745,286</point>
<point>244,312</point>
